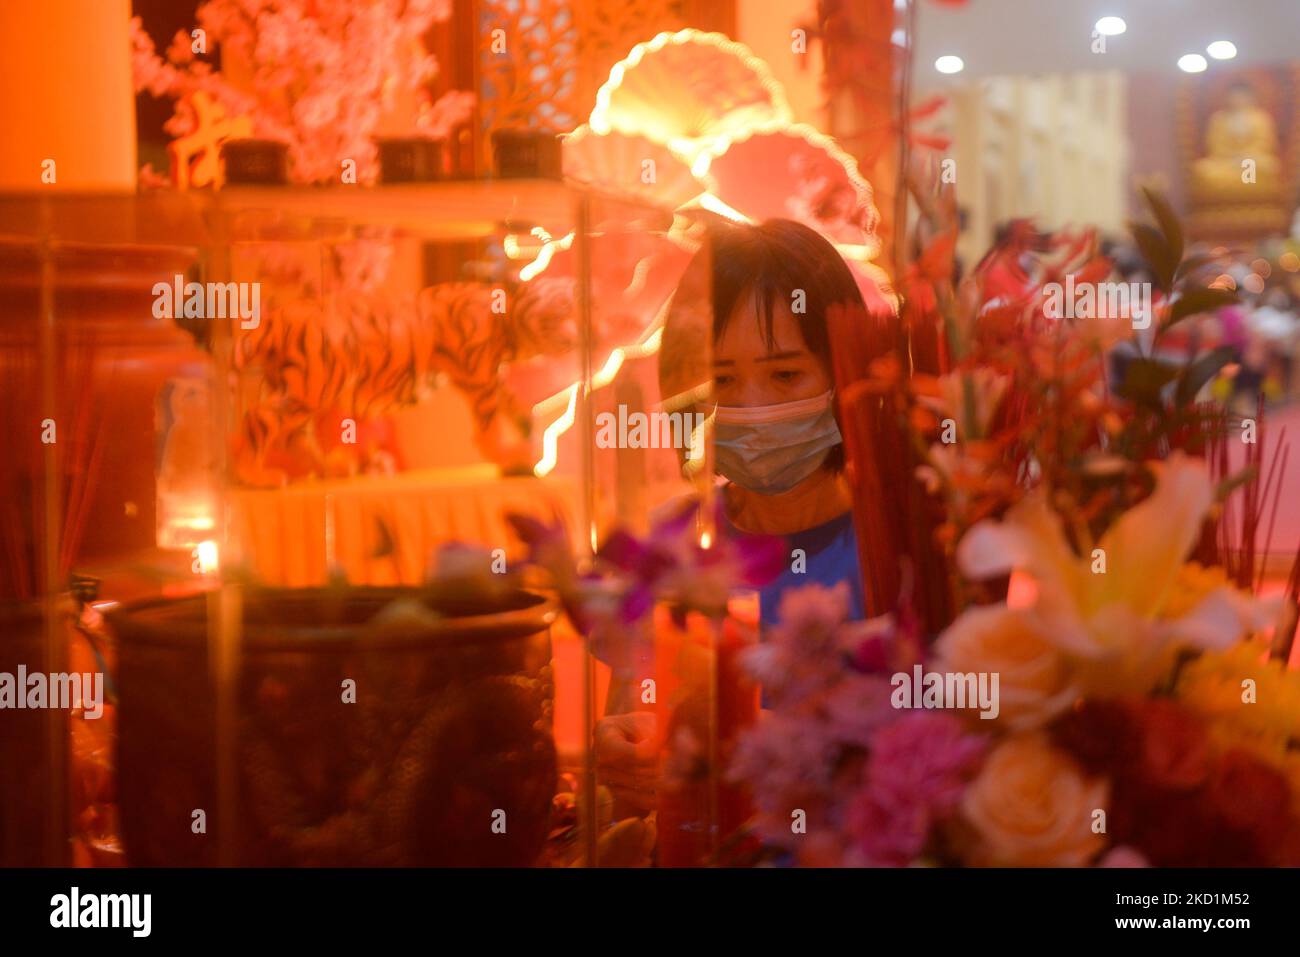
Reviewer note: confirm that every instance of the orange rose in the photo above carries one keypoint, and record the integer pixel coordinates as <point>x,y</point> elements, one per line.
<point>1034,679</point>
<point>1031,806</point>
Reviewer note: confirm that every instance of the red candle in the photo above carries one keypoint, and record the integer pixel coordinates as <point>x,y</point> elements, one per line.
<point>705,701</point>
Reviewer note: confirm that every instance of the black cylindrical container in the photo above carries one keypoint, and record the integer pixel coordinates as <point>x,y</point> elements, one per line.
<point>444,756</point>
<point>255,162</point>
<point>411,159</point>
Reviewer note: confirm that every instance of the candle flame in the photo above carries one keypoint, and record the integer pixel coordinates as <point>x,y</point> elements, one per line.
<point>208,561</point>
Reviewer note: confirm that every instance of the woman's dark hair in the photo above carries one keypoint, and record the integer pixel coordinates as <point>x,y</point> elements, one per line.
<point>772,261</point>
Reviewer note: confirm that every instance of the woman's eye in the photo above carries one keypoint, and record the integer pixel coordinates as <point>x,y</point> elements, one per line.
<point>787,376</point>
<point>722,381</point>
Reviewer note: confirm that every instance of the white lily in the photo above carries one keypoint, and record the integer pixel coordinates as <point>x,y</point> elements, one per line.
<point>1109,619</point>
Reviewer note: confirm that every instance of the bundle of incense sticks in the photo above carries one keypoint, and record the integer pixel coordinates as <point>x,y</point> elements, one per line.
<point>1285,632</point>
<point>1235,541</point>
<point>78,446</point>
<point>927,346</point>
<point>893,518</point>
<point>1243,552</point>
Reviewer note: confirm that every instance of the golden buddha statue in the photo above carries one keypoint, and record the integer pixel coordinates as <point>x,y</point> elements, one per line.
<point>1238,132</point>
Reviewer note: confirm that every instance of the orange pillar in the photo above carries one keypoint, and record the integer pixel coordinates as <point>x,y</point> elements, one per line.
<point>66,96</point>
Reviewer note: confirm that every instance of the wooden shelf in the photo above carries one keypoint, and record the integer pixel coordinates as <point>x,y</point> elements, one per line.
<point>460,209</point>
<point>464,209</point>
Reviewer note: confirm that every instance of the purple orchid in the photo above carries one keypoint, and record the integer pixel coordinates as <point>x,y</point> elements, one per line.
<point>611,602</point>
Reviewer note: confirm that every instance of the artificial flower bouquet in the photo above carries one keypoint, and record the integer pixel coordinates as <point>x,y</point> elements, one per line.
<point>1104,696</point>
<point>1134,720</point>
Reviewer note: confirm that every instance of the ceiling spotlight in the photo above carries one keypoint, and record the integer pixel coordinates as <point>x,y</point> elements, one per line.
<point>1110,26</point>
<point>1192,63</point>
<point>949,64</point>
<point>1222,49</point>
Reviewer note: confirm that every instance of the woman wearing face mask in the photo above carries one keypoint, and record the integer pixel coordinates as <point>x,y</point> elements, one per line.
<point>776,441</point>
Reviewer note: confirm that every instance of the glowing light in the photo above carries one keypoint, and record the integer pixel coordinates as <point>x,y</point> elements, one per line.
<point>1192,63</point>
<point>950,64</point>
<point>208,562</point>
<point>1110,26</point>
<point>602,120</point>
<point>705,540</point>
<point>1222,49</point>
<point>1223,281</point>
<point>639,273</point>
<point>548,250</point>
<point>714,205</point>
<point>199,523</point>
<point>551,437</point>
<point>1262,267</point>
<point>1290,262</point>
<point>1254,283</point>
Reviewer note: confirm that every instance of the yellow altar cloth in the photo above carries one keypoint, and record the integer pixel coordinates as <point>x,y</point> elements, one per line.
<point>384,531</point>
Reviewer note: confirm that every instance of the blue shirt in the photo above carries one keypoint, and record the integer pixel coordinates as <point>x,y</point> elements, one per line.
<point>830,556</point>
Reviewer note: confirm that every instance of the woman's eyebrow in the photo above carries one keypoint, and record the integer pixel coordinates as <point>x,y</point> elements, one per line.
<point>770,357</point>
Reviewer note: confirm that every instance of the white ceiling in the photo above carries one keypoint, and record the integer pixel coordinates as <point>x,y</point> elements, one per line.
<point>1000,37</point>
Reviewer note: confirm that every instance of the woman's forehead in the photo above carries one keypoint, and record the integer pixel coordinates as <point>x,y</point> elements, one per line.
<point>745,332</point>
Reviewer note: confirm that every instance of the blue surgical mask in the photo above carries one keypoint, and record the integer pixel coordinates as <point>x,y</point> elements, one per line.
<point>772,448</point>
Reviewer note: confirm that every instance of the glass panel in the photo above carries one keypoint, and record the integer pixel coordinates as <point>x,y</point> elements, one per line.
<point>101,395</point>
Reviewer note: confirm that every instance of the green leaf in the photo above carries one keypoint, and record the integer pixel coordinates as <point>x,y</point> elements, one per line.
<point>1194,302</point>
<point>1169,223</point>
<point>1155,250</point>
<point>1144,378</point>
<point>1201,371</point>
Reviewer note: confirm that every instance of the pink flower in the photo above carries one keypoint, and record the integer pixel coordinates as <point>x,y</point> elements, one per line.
<point>855,707</point>
<point>324,71</point>
<point>1123,856</point>
<point>916,773</point>
<point>788,763</point>
<point>805,654</point>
